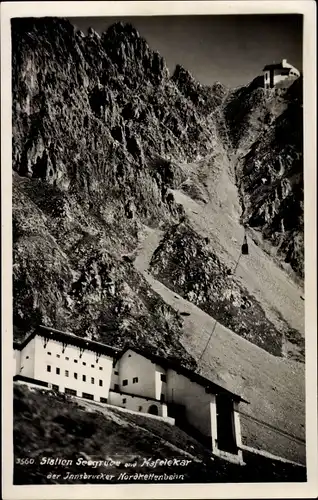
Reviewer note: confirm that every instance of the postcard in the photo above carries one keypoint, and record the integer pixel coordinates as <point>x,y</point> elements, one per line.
<point>159,251</point>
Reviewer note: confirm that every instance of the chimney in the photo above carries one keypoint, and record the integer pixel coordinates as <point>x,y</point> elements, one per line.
<point>284,62</point>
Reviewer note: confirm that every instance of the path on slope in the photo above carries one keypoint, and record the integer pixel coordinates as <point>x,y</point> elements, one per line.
<point>275,387</point>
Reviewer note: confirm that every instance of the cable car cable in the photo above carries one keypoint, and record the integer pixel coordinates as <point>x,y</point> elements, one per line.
<point>244,251</point>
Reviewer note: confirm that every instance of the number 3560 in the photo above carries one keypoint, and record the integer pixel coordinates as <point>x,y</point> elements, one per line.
<point>25,461</point>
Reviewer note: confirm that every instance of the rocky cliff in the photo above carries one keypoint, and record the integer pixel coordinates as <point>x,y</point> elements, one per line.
<point>95,120</point>
<point>266,137</point>
<point>101,132</point>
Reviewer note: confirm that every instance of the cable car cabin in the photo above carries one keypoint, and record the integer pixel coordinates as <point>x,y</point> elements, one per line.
<point>245,247</point>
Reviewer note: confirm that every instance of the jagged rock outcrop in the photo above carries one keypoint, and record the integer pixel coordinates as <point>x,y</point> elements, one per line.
<point>204,97</point>
<point>110,95</point>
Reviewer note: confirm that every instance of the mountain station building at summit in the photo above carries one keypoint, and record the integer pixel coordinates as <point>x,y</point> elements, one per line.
<point>277,72</point>
<point>134,380</point>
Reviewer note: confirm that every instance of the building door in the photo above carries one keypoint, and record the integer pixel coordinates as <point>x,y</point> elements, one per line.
<point>177,412</point>
<point>225,424</point>
<point>153,409</point>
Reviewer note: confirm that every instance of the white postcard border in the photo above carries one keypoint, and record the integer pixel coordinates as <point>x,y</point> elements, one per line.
<point>142,8</point>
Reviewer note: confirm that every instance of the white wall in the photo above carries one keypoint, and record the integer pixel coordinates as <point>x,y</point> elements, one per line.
<point>237,424</point>
<point>213,417</point>
<point>16,361</point>
<point>115,376</point>
<point>266,76</point>
<point>201,410</point>
<point>27,360</point>
<point>267,79</point>
<point>181,390</point>
<point>100,370</point>
<point>278,77</point>
<point>161,387</point>
<point>133,365</point>
<point>237,429</point>
<point>136,403</point>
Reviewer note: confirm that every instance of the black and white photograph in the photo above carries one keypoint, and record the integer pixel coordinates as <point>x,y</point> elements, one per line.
<point>158,249</point>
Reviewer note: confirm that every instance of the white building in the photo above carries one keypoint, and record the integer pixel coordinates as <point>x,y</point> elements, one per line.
<point>69,363</point>
<point>274,73</point>
<point>135,380</point>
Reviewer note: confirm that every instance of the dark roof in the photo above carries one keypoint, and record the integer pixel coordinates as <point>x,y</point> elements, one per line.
<point>277,66</point>
<point>166,363</point>
<point>35,381</point>
<point>68,338</point>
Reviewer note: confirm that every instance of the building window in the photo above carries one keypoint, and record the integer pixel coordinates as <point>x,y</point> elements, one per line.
<point>163,377</point>
<point>116,387</point>
<point>92,366</point>
<point>84,363</point>
<point>162,398</point>
<point>125,382</point>
<point>124,400</point>
<point>103,400</point>
<point>101,383</point>
<point>67,358</point>
<point>57,371</point>
<point>129,355</point>
<point>75,360</point>
<point>49,353</point>
<point>84,378</point>
<point>58,356</point>
<point>27,357</point>
<point>75,375</point>
<point>92,380</point>
<point>116,373</point>
<point>55,387</point>
<point>71,392</point>
<point>100,367</point>
<point>135,380</point>
<point>87,396</point>
<point>66,373</point>
<point>140,408</point>
<point>48,368</point>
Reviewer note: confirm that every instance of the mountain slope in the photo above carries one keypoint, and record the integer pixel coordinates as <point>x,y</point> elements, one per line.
<point>110,439</point>
<point>111,155</point>
<point>214,231</point>
<point>84,180</point>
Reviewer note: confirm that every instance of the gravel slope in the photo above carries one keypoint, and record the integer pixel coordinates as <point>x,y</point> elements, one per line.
<point>219,219</point>
<point>274,386</point>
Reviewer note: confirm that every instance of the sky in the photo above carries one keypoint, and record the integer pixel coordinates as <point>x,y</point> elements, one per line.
<point>230,49</point>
